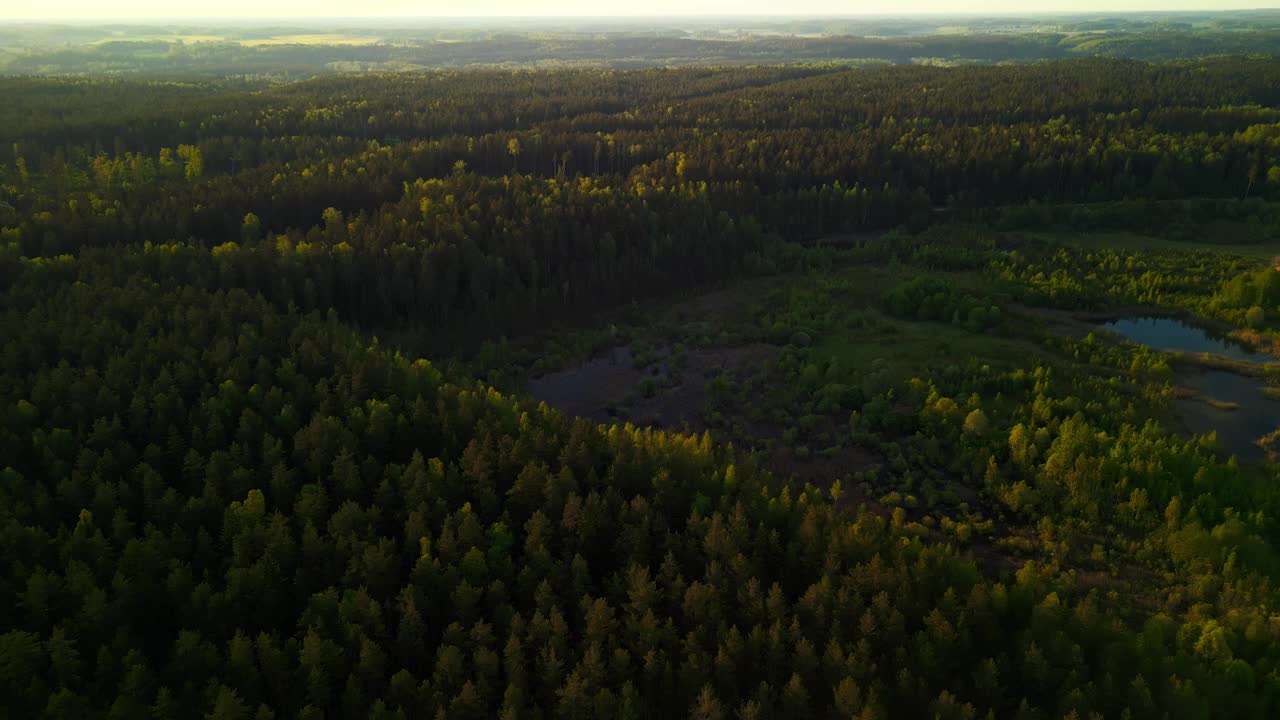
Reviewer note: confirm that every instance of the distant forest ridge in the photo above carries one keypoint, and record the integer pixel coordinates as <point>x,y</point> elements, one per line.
<point>291,49</point>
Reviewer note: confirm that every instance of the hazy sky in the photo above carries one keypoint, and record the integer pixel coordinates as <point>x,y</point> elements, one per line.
<point>132,9</point>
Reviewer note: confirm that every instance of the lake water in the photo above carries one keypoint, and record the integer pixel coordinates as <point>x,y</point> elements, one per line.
<point>1174,334</point>
<point>1254,414</point>
<point>1238,428</point>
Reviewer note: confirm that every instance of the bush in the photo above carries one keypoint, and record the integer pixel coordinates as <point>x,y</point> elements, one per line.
<point>1255,317</point>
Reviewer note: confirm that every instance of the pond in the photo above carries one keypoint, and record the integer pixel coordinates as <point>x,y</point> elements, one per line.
<point>1231,404</point>
<point>1174,334</point>
<point>1240,414</point>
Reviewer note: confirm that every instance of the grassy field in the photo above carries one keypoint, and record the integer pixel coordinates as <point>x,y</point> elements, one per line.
<point>320,39</point>
<point>1147,243</point>
<point>908,347</point>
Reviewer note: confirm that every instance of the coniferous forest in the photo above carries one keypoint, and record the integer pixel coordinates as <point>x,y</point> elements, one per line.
<point>732,390</point>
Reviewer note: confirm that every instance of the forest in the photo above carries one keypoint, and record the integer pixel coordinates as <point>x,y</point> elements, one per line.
<point>739,390</point>
<point>303,48</point>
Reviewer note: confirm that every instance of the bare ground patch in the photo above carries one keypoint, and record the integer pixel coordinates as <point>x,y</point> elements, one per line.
<point>590,388</point>
<point>610,388</point>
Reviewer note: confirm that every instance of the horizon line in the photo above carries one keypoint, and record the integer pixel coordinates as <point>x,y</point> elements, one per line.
<point>655,16</point>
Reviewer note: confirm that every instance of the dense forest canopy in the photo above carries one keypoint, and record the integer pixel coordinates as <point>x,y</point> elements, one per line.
<point>268,447</point>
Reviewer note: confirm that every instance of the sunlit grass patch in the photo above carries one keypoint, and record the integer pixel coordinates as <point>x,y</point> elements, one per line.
<point>1148,243</point>
<point>315,39</point>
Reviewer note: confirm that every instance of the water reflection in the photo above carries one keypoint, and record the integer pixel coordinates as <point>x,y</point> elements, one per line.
<point>1174,334</point>
<point>1238,428</point>
<point>1240,412</point>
